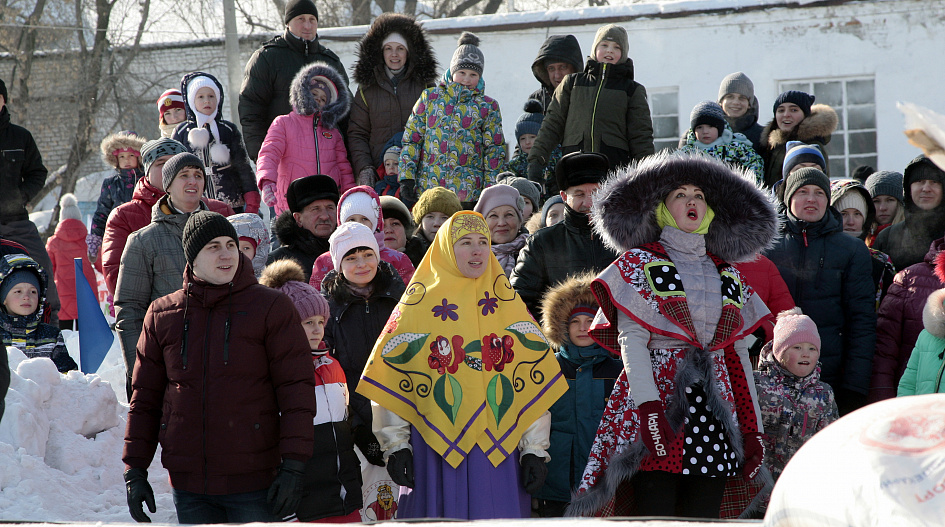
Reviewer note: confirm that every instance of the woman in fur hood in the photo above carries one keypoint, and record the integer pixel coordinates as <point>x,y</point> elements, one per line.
<point>395,64</point>
<point>682,421</point>
<point>307,140</point>
<point>924,371</point>
<point>796,118</point>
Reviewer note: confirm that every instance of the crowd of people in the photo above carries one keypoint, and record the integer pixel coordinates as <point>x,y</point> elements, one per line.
<point>581,326</point>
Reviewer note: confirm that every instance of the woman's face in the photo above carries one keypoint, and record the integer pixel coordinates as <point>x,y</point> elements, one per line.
<point>472,254</point>
<point>735,105</point>
<point>555,214</point>
<point>852,221</point>
<point>395,235</point>
<point>809,203</point>
<point>395,55</point>
<point>529,208</point>
<point>503,224</point>
<point>788,116</point>
<point>359,267</point>
<point>926,194</point>
<point>430,223</point>
<point>886,207</point>
<point>688,207</point>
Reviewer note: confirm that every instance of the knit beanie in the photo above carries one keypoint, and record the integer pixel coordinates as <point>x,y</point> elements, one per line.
<point>851,200</point>
<point>168,101</point>
<point>613,33</point>
<point>805,176</point>
<point>861,172</point>
<point>392,153</point>
<point>294,8</point>
<point>19,276</point>
<point>803,100</point>
<point>528,189</point>
<point>885,183</point>
<point>793,327</point>
<point>287,276</point>
<point>582,309</point>
<point>395,37</point>
<point>394,208</point>
<point>193,86</point>
<point>324,84</point>
<point>359,202</point>
<point>305,190</point>
<point>349,236</point>
<point>158,148</point>
<point>578,168</point>
<point>69,208</point>
<point>530,121</point>
<point>498,195</point>
<point>3,92</point>
<point>738,83</point>
<point>436,199</point>
<point>201,228</point>
<point>552,201</point>
<point>707,112</point>
<point>468,56</point>
<point>177,163</point>
<point>797,153</point>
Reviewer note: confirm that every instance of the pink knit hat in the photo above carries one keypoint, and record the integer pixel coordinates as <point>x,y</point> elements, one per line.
<point>793,327</point>
<point>287,276</point>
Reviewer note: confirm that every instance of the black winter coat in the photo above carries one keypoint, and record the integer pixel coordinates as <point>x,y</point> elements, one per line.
<point>264,94</point>
<point>566,248</point>
<point>829,275</point>
<point>296,243</point>
<point>22,173</point>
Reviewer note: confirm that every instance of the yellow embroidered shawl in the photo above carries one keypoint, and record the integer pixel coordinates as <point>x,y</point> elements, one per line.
<point>461,359</point>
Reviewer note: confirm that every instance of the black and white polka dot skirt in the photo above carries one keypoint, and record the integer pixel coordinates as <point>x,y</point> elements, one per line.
<point>706,451</point>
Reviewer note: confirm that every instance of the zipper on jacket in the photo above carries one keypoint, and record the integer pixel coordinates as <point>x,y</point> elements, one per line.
<point>603,78</point>
<point>367,305</point>
<point>318,161</point>
<point>203,402</point>
<point>804,233</point>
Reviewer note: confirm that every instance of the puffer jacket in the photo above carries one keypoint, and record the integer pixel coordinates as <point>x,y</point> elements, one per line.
<point>230,178</point>
<point>226,410</point>
<point>383,104</point>
<point>829,275</point>
<point>556,48</point>
<point>22,173</point>
<point>67,243</point>
<point>814,129</point>
<point>924,372</point>
<point>793,409</point>
<point>117,189</point>
<point>416,248</point>
<point>731,147</point>
<point>306,141</point>
<point>134,215</point>
<point>354,326</point>
<point>296,243</point>
<point>600,110</point>
<point>900,320</point>
<point>453,139</point>
<point>267,77</point>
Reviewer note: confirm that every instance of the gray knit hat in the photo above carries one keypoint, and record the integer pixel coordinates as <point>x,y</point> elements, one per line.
<point>178,163</point>
<point>885,183</point>
<point>805,176</point>
<point>201,228</point>
<point>468,56</point>
<point>710,113</point>
<point>738,83</point>
<point>613,33</point>
<point>158,148</point>
<point>528,189</point>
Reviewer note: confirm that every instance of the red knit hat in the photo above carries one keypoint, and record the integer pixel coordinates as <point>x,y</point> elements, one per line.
<point>793,327</point>
<point>169,100</point>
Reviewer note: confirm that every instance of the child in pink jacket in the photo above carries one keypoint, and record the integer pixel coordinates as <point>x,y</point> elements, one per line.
<point>307,140</point>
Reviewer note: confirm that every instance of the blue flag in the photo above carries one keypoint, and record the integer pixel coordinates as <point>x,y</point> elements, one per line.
<point>95,337</point>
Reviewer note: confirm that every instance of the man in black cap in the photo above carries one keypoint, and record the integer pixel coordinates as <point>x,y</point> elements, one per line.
<point>568,247</point>
<point>303,230</point>
<point>264,94</point>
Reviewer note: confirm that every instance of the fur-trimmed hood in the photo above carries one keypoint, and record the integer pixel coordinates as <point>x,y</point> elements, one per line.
<point>821,122</point>
<point>933,314</point>
<point>624,210</point>
<point>421,61</point>
<point>303,102</point>
<point>120,141</point>
<point>559,301</point>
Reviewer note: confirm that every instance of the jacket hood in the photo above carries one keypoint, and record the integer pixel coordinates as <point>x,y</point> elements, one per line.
<point>118,141</point>
<point>933,315</point>
<point>838,188</point>
<point>909,175</point>
<point>624,210</point>
<point>780,376</point>
<point>252,226</point>
<point>821,122</point>
<point>16,262</point>
<point>71,230</point>
<point>623,69</point>
<point>455,89</point>
<point>191,116</point>
<point>559,301</point>
<point>421,61</point>
<point>557,48</point>
<point>303,102</point>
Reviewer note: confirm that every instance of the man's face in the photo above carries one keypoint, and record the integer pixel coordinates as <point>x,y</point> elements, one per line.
<point>304,27</point>
<point>186,188</point>
<point>318,217</point>
<point>557,71</point>
<point>154,171</point>
<point>579,198</point>
<point>217,261</point>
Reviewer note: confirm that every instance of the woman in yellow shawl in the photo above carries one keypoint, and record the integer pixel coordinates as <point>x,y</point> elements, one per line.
<point>462,379</point>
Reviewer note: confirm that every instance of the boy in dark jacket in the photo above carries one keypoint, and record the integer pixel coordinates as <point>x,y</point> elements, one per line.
<point>122,151</point>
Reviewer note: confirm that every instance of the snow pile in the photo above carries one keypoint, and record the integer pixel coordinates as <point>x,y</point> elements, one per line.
<point>60,448</point>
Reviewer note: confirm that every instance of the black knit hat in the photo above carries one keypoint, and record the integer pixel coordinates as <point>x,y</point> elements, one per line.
<point>803,100</point>
<point>176,164</point>
<point>710,113</point>
<point>202,227</point>
<point>294,8</point>
<point>3,91</point>
<point>578,168</point>
<point>805,176</point>
<point>885,183</point>
<point>305,190</point>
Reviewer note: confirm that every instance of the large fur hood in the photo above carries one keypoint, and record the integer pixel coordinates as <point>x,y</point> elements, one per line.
<point>624,210</point>
<point>559,301</point>
<point>933,315</point>
<point>821,122</point>
<point>421,61</point>
<point>303,102</point>
<point>119,141</point>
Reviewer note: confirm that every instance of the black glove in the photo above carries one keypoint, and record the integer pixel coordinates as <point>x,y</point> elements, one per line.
<point>408,190</point>
<point>138,489</point>
<point>285,493</point>
<point>848,400</point>
<point>536,173</point>
<point>367,443</point>
<point>534,472</point>
<point>400,467</point>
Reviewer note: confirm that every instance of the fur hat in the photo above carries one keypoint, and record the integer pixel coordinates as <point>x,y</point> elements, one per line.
<point>560,301</point>
<point>294,8</point>
<point>710,113</point>
<point>201,228</point>
<point>436,199</point>
<point>530,121</point>
<point>578,168</point>
<point>69,208</point>
<point>287,276</point>
<point>738,83</point>
<point>498,195</point>
<point>177,163</point>
<point>468,56</point>
<point>320,74</point>
<point>612,33</point>
<point>803,100</point>
<point>350,236</point>
<point>121,142</point>
<point>528,189</point>
<point>804,176</point>
<point>793,327</point>
<point>885,183</point>
<point>305,190</point>
<point>169,100</point>
<point>394,208</point>
<point>624,209</point>
<point>797,153</point>
<point>364,201</point>
<point>158,148</point>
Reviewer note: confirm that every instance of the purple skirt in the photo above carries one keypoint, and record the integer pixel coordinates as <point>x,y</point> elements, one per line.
<point>475,490</point>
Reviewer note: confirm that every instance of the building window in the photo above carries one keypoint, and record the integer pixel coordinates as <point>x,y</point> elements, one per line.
<point>853,144</point>
<point>664,110</point>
